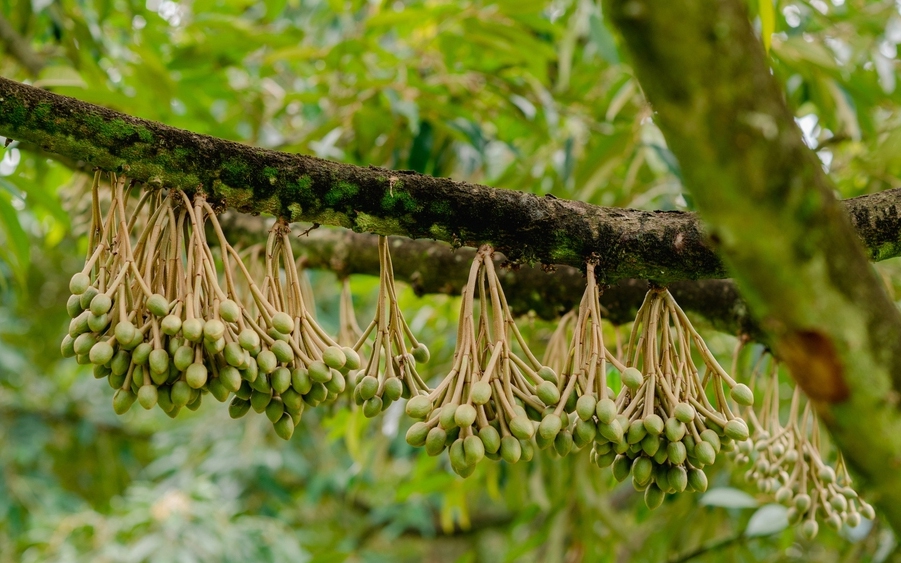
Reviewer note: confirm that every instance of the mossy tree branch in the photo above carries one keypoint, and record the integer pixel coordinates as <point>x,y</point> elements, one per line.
<point>770,209</point>
<point>661,246</point>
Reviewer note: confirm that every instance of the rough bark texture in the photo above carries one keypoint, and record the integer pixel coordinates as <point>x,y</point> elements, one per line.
<point>433,267</point>
<point>782,234</point>
<point>656,245</point>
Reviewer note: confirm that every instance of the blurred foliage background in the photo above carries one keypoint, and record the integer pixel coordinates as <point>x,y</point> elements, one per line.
<point>517,94</point>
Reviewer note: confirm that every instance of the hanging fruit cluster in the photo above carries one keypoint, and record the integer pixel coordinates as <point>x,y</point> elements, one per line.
<point>152,315</point>
<point>166,320</point>
<point>787,463</point>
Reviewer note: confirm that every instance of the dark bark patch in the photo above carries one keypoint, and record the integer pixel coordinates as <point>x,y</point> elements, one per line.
<point>815,365</point>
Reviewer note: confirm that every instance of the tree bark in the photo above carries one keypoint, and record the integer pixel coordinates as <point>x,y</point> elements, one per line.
<point>770,209</point>
<point>663,246</point>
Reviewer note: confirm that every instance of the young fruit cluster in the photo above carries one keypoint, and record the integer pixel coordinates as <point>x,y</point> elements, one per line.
<point>670,428</point>
<point>149,312</point>
<point>490,402</point>
<point>390,373</point>
<point>787,463</point>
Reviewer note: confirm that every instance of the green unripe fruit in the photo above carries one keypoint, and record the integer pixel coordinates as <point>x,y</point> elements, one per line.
<point>217,390</point>
<point>261,384</point>
<point>563,443</point>
<point>275,409</point>
<point>684,412</point>
<point>115,381</point>
<point>280,379</point>
<point>259,400</point>
<point>213,330</point>
<point>284,427</point>
<point>418,407</point>
<point>653,496</point>
<point>317,393</point>
<point>276,335</point>
<point>809,529</point>
<point>650,444</point>
<point>368,386</point>
<point>678,478</point>
<point>632,378</point>
<point>417,434</point>
<point>511,449</point>
<point>180,394</point>
<point>238,407</point>
<point>159,361</point>
<point>85,299</point>
<point>622,465</point>
<point>394,388</point>
<point>612,431</point>
<point>802,502</point>
<point>661,456</point>
<point>491,439</point>
<point>251,371</point>
<point>447,416</point>
<point>372,407</point>
<point>101,371</point>
<point>229,311</point>
<point>473,449</point>
<point>196,375</point>
<point>233,354</point>
<point>282,350</point>
<point>148,396</point>
<point>481,392</point>
<point>839,503</point>
<point>742,395</point>
<point>266,361</point>
<point>866,510</point>
<point>183,357</point>
<point>334,357</point>
<point>548,374</point>
<point>84,343</point>
<point>293,401</point>
<point>79,283</point>
<point>705,453</point>
<point>521,427</point>
<point>196,400</point>
<point>783,495</point>
<point>249,339</point>
<point>320,373</point>
<point>101,304</point>
<point>653,424</point>
<point>637,432</point>
<point>712,438</point>
<point>697,480</point>
<point>125,332</point>
<point>98,324</point>
<point>464,415</point>
<point>676,453</point>
<point>548,393</point>
<point>550,426</point>
<point>120,362</point>
<point>352,359</point>
<point>641,469</point>
<point>163,399</point>
<point>605,459</point>
<point>434,442</point>
<point>73,306</point>
<point>192,329</point>
<point>674,429</point>
<point>245,391</point>
<point>826,473</point>
<point>420,353</point>
<point>135,342</point>
<point>122,401</point>
<point>528,450</point>
<point>542,442</point>
<point>585,407</point>
<point>170,325</point>
<point>101,353</point>
<point>300,380</point>
<point>79,325</point>
<point>157,305</point>
<point>282,322</point>
<point>736,429</point>
<point>586,431</point>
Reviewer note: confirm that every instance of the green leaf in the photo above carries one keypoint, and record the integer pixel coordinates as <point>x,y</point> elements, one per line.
<point>767,22</point>
<point>727,497</point>
<point>769,519</point>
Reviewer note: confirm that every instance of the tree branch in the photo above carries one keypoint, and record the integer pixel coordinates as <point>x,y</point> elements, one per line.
<point>658,245</point>
<point>770,208</point>
<point>19,49</point>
